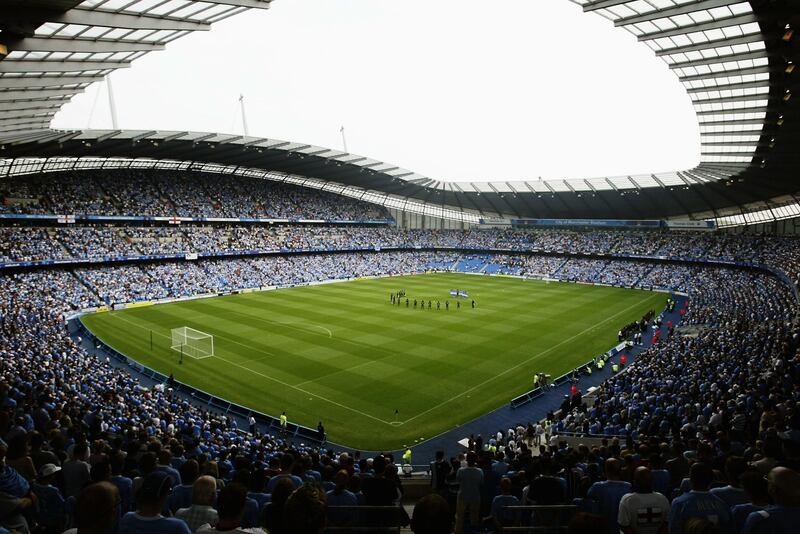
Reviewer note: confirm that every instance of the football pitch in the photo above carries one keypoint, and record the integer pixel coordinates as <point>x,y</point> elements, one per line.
<point>381,376</point>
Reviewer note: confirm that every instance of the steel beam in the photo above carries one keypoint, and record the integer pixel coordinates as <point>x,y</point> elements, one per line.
<point>24,82</point>
<point>132,21</point>
<point>682,9</point>
<point>710,75</point>
<point>758,109</point>
<point>602,4</point>
<point>732,154</point>
<point>12,96</point>
<point>737,122</point>
<point>743,132</point>
<point>716,43</point>
<point>735,20</point>
<point>733,143</point>
<point>723,99</point>
<point>52,65</point>
<point>30,114</point>
<point>251,4</point>
<point>56,44</point>
<point>4,123</point>
<point>756,54</point>
<point>25,127</point>
<point>32,105</point>
<point>738,85</point>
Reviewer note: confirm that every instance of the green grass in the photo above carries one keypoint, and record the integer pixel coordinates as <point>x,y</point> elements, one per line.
<point>342,354</point>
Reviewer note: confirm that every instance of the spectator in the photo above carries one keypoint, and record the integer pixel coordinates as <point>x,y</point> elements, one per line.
<point>699,503</point>
<point>340,496</point>
<point>15,496</point>
<point>607,494</point>
<point>76,472</point>
<point>51,511</point>
<point>643,511</point>
<point>287,464</point>
<point>151,500</point>
<point>500,517</point>
<point>439,469</point>
<point>470,479</point>
<point>432,516</point>
<point>273,515</point>
<point>756,488</point>
<point>96,509</point>
<point>784,515</point>
<point>182,494</point>
<point>732,494</point>
<point>231,510</point>
<point>201,511</point>
<point>305,510</point>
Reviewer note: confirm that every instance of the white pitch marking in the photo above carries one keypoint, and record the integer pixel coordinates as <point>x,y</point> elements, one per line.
<point>473,388</point>
<point>273,378</point>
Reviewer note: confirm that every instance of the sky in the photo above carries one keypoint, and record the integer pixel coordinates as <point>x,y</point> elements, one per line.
<point>456,90</point>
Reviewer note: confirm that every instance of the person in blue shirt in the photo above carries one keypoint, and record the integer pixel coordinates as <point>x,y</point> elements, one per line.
<point>605,495</point>
<point>123,483</point>
<point>165,465</point>
<point>50,506</point>
<point>341,496</point>
<point>699,503</point>
<point>181,496</point>
<point>732,494</point>
<point>756,488</point>
<point>287,463</point>
<point>151,500</point>
<point>504,518</point>
<point>784,516</point>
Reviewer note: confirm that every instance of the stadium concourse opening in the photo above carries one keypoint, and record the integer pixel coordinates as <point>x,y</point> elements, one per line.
<point>224,333</point>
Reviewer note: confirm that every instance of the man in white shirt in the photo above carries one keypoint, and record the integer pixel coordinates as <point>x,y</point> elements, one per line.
<point>644,511</point>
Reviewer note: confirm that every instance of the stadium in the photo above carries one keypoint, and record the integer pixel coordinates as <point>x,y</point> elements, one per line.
<point>221,332</point>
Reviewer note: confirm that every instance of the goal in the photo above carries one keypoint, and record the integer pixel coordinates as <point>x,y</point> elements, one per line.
<point>192,343</point>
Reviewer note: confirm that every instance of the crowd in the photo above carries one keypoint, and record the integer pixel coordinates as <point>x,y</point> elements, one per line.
<point>182,194</point>
<point>28,243</point>
<point>726,394</point>
<point>114,284</point>
<point>700,434</point>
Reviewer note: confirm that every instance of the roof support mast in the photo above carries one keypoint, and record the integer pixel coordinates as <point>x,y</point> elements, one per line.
<point>244,115</point>
<point>112,103</point>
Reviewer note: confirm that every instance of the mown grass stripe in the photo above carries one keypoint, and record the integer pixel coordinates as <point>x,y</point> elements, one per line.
<point>380,358</point>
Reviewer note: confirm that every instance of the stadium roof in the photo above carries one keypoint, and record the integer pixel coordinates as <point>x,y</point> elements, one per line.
<point>736,59</point>
<point>55,48</point>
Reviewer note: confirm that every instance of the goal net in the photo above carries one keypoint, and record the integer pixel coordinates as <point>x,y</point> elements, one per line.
<point>192,343</point>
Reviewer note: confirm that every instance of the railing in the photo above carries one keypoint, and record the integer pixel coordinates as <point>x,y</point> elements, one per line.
<point>366,518</point>
<point>542,518</point>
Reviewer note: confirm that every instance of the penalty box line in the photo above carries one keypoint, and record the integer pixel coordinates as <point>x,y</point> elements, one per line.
<point>354,410</point>
<point>546,351</point>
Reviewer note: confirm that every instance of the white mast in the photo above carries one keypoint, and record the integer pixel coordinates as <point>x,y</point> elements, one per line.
<point>344,141</point>
<point>244,116</point>
<point>111,103</point>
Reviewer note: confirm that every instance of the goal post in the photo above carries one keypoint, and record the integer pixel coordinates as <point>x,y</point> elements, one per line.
<point>192,343</point>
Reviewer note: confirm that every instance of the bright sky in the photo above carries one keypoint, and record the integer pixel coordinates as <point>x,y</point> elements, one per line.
<point>456,90</point>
